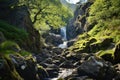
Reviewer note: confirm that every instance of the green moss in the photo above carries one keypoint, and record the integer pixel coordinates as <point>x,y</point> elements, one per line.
<point>104,52</point>
<point>24,53</point>
<point>11,72</point>
<point>9,45</point>
<point>13,33</point>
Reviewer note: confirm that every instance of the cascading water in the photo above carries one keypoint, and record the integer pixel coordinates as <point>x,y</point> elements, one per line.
<point>63,33</point>
<point>64,36</point>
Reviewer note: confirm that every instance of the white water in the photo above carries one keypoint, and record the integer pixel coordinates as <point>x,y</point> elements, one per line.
<point>64,45</point>
<point>63,33</point>
<point>64,36</point>
<point>64,73</point>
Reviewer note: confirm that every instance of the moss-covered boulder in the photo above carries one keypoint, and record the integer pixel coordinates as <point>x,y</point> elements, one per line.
<point>9,45</point>
<point>7,69</point>
<point>101,44</point>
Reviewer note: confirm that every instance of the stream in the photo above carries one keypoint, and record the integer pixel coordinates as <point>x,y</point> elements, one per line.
<point>63,73</point>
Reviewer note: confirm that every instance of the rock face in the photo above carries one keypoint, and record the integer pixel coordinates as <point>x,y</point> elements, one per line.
<point>77,24</point>
<point>53,39</point>
<point>21,18</point>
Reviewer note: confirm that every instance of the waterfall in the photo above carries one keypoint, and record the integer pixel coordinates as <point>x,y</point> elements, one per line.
<point>63,45</point>
<point>64,36</point>
<point>63,33</point>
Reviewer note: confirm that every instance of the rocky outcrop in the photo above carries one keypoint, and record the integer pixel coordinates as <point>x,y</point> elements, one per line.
<point>21,18</point>
<point>53,39</point>
<point>77,24</point>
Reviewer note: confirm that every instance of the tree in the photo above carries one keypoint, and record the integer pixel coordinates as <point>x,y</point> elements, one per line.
<point>47,12</point>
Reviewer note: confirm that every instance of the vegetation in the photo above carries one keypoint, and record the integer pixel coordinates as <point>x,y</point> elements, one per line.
<point>13,33</point>
<point>45,13</point>
<point>105,14</point>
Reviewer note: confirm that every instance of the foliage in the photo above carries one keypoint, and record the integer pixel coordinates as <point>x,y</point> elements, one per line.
<point>24,53</point>
<point>106,13</point>
<point>13,33</point>
<point>49,12</point>
<point>106,16</point>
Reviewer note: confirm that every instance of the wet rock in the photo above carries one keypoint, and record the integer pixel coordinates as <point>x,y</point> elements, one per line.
<point>54,39</point>
<point>97,69</point>
<point>56,62</point>
<point>48,61</point>
<point>57,50</point>
<point>42,73</point>
<point>66,64</point>
<point>53,72</point>
<point>71,42</point>
<point>42,56</point>
<point>78,56</point>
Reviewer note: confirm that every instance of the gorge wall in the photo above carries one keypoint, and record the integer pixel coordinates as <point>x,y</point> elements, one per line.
<point>78,23</point>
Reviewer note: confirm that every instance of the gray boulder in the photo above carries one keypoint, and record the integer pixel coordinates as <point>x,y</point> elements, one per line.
<point>97,69</point>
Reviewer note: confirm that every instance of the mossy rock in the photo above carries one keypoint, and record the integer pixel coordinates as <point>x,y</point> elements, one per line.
<point>107,55</point>
<point>9,45</point>
<point>84,45</point>
<point>101,44</point>
<point>7,70</point>
<point>42,73</point>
